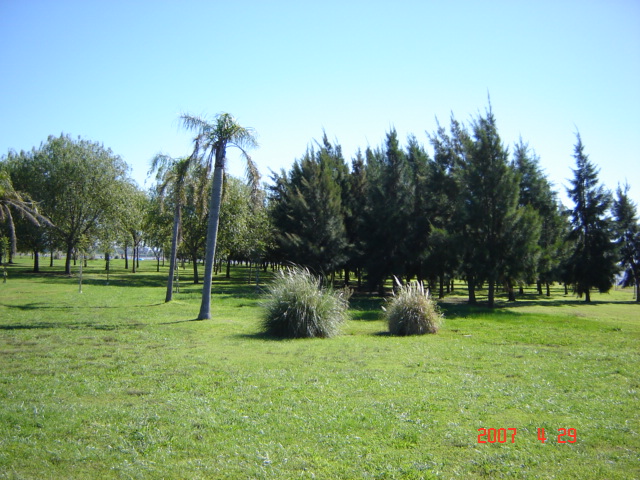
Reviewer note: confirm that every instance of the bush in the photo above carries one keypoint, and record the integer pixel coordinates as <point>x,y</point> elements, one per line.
<point>297,306</point>
<point>411,311</point>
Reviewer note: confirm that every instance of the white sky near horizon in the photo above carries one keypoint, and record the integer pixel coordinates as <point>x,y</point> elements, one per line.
<point>121,73</point>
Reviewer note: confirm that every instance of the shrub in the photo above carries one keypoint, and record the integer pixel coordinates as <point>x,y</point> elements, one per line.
<point>411,311</point>
<point>297,306</point>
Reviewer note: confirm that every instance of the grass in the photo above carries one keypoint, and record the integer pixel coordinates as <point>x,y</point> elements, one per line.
<point>114,383</point>
<point>297,305</point>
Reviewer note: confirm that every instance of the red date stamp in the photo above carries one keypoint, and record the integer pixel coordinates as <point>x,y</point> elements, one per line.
<point>504,435</point>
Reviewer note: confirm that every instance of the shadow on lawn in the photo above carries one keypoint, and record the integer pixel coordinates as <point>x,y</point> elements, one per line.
<point>70,326</point>
<point>87,325</point>
<point>46,306</point>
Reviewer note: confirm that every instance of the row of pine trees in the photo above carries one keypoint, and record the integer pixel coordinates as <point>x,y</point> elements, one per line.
<point>469,208</point>
<point>472,210</point>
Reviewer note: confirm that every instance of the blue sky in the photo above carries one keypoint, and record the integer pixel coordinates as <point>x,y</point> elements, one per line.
<point>122,72</point>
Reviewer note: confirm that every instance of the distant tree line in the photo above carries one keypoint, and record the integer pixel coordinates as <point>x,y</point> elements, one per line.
<point>469,209</point>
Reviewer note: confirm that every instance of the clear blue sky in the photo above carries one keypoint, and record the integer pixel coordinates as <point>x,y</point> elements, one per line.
<point>121,72</point>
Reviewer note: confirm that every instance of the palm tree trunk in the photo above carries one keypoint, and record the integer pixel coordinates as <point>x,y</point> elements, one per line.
<point>174,250</point>
<point>212,233</point>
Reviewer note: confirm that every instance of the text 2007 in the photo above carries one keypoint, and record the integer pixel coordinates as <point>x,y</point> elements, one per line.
<point>492,435</point>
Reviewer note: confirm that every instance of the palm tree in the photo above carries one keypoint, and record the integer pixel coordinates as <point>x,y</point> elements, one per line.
<point>173,175</point>
<point>10,199</point>
<point>210,146</point>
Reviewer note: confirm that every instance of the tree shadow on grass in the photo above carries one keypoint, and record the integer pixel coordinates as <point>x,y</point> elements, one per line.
<point>88,325</point>
<point>563,302</point>
<point>174,322</point>
<point>46,306</point>
<point>71,326</point>
<point>265,336</point>
<point>366,307</point>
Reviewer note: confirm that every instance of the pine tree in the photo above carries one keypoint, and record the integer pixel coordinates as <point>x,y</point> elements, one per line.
<point>390,248</point>
<point>308,210</point>
<point>593,258</point>
<point>628,238</point>
<point>354,208</point>
<point>536,192</point>
<point>489,207</point>
<point>443,190</point>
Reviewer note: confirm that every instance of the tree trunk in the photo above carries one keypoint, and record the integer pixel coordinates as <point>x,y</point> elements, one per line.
<point>174,248</point>
<point>540,287</point>
<point>471,285</point>
<point>126,258</point>
<point>228,274</point>
<point>587,296</point>
<point>67,262</point>
<point>13,240</point>
<point>548,289</point>
<point>196,279</point>
<point>212,233</point>
<point>36,261</point>
<point>133,259</point>
<point>492,293</point>
<point>511,291</point>
<point>441,294</point>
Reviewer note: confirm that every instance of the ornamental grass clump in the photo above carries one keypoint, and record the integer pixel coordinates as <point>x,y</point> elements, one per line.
<point>297,306</point>
<point>411,311</point>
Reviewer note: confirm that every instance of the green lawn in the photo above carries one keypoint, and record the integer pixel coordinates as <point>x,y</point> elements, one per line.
<point>113,383</point>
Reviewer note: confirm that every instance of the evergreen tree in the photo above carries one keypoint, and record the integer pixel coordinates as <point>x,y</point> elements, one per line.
<point>354,209</point>
<point>420,212</point>
<point>592,263</point>
<point>443,190</point>
<point>628,235</point>
<point>390,248</point>
<point>308,211</point>
<point>536,192</point>
<point>489,207</point>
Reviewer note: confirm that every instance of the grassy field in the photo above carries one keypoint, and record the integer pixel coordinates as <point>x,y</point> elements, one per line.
<point>114,383</point>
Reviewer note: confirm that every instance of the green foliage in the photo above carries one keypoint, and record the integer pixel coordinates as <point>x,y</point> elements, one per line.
<point>80,186</point>
<point>4,249</point>
<point>592,263</point>
<point>411,311</point>
<point>395,230</point>
<point>296,305</point>
<point>628,237</point>
<point>308,210</point>
<point>490,197</point>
